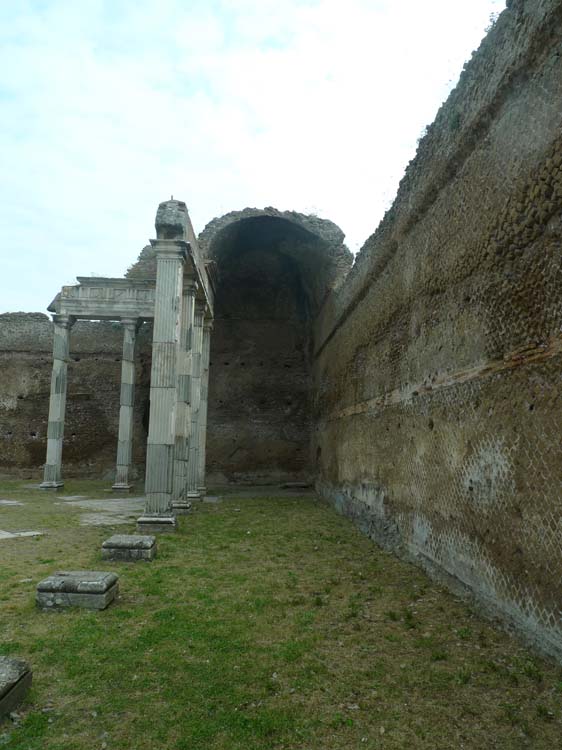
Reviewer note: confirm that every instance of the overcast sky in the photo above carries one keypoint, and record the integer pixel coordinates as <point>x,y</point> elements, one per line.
<point>110,106</point>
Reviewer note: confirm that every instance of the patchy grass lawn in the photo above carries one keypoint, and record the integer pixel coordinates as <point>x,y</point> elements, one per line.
<point>266,622</point>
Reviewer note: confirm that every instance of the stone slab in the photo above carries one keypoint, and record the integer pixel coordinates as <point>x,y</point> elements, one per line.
<point>157,524</point>
<point>17,534</point>
<point>10,502</point>
<point>90,589</point>
<point>129,547</point>
<point>51,485</point>
<point>15,681</point>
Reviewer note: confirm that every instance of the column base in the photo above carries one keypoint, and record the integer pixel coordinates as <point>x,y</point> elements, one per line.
<point>202,491</point>
<point>51,485</point>
<point>121,487</point>
<point>154,524</point>
<point>181,507</point>
<point>194,494</point>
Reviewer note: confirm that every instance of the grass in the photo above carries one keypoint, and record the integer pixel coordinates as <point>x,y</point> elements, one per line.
<point>266,622</point>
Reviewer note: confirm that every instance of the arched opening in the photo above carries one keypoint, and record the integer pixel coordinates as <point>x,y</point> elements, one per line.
<point>274,271</point>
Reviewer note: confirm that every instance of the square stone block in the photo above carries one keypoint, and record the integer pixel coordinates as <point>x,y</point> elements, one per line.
<point>181,507</point>
<point>156,524</point>
<point>129,547</point>
<point>15,681</point>
<point>91,589</point>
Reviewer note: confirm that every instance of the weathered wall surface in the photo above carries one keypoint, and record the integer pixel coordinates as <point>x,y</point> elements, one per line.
<point>92,412</point>
<point>439,362</point>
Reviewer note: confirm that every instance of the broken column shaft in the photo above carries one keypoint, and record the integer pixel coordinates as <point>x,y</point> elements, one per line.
<point>52,476</point>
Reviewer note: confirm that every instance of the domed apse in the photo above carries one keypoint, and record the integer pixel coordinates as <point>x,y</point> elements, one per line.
<point>274,272</point>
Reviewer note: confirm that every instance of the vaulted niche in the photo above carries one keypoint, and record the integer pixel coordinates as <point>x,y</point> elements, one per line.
<point>274,273</point>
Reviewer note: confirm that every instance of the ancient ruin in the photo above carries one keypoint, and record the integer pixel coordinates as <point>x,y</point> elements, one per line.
<point>175,293</point>
<point>418,388</point>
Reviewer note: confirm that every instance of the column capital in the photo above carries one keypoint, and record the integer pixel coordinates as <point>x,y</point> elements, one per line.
<point>64,321</point>
<point>200,305</point>
<point>208,324</point>
<point>171,248</point>
<point>132,324</point>
<point>190,286</point>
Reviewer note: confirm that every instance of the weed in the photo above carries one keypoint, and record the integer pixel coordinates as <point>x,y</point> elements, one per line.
<point>439,655</point>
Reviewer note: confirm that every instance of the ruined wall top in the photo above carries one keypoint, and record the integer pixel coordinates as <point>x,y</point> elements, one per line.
<point>517,44</point>
<point>316,245</point>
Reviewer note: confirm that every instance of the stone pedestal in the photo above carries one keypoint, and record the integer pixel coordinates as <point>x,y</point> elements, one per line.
<point>15,681</point>
<point>52,474</point>
<point>182,507</point>
<point>157,524</point>
<point>126,408</point>
<point>90,589</point>
<point>129,548</point>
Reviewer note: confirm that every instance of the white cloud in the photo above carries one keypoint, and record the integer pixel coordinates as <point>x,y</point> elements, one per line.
<point>108,108</point>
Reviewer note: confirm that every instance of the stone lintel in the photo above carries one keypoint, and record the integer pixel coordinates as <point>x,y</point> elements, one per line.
<point>113,281</point>
<point>15,681</point>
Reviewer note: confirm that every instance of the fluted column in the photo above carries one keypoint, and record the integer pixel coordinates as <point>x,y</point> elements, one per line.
<point>202,423</point>
<point>52,476</point>
<point>180,504</point>
<point>158,516</point>
<point>126,408</point>
<point>196,348</point>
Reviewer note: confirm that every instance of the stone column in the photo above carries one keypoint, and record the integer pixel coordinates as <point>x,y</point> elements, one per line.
<point>180,503</point>
<point>205,356</point>
<point>158,516</point>
<point>126,409</point>
<point>52,476</point>
<point>196,348</point>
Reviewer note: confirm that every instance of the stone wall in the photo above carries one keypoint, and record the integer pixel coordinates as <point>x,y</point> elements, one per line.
<point>93,396</point>
<point>438,363</point>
